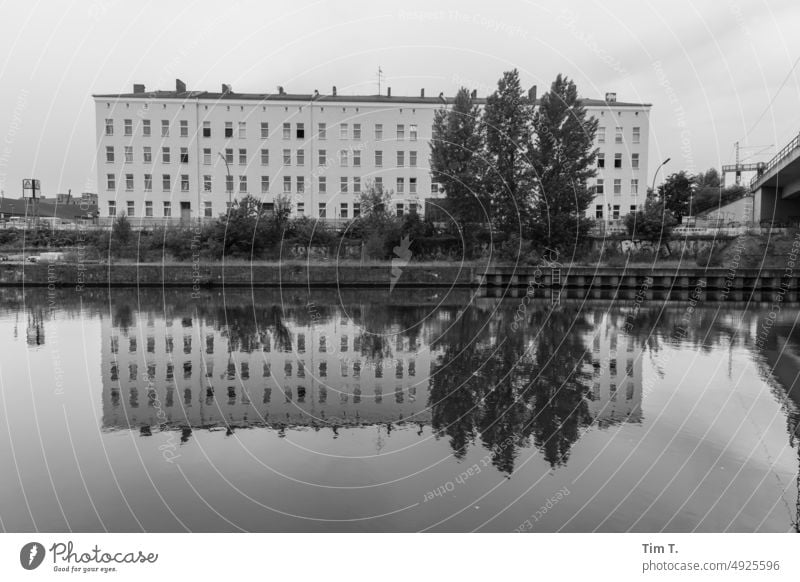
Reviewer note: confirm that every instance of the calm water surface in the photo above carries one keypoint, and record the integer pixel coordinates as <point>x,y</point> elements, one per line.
<point>328,410</point>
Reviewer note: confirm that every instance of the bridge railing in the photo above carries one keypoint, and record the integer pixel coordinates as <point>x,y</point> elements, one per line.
<point>778,158</point>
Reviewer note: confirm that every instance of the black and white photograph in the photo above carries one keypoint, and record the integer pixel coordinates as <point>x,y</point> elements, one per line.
<point>357,279</point>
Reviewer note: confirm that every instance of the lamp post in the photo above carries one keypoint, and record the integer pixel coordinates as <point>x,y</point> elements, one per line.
<point>653,189</point>
<point>229,182</point>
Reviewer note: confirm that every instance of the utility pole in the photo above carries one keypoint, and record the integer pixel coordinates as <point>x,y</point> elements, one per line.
<point>380,78</point>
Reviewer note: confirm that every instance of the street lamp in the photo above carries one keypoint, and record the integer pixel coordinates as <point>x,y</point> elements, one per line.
<point>653,189</point>
<point>229,183</point>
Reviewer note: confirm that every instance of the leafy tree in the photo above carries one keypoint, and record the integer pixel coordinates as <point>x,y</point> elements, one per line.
<point>508,120</point>
<point>676,193</point>
<point>710,197</point>
<point>121,232</point>
<point>654,222</point>
<point>457,149</point>
<point>246,230</point>
<point>708,179</point>
<point>563,159</point>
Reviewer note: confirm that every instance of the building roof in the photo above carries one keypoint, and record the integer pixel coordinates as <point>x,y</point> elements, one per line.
<point>17,207</point>
<point>309,97</point>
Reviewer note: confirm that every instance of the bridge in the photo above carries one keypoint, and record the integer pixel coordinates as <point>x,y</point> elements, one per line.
<point>776,188</point>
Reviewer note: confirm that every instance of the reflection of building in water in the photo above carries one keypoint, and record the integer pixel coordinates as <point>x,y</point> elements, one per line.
<point>181,371</point>
<point>616,370</point>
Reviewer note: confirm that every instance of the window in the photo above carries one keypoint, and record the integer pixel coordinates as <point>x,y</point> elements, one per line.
<point>617,160</point>
<point>378,131</point>
<point>147,155</point>
<point>287,131</point>
<point>129,183</point>
<point>229,155</point>
<point>400,159</point>
<point>109,154</point>
<point>301,185</point>
<point>146,128</point>
<point>287,157</point>
<point>343,184</point>
<point>111,182</point>
<point>356,158</point>
<point>379,184</point>
<point>323,157</point>
<point>635,186</point>
<point>343,158</point>
<point>242,157</point>
<point>207,183</point>
<point>598,211</point>
<point>228,183</point>
<point>412,185</point>
<point>148,208</point>
<point>357,185</point>
<point>264,130</point>
<point>112,208</point>
<point>207,211</point>
<point>301,157</point>
<point>287,184</point>
<point>343,131</point>
<point>599,186</point>
<point>635,161</point>
<point>412,132</point>
<point>323,185</point>
<point>301,207</point>
<point>618,135</point>
<point>399,208</point>
<point>184,128</point>
<point>148,182</point>
<point>356,131</point>
<point>633,208</point>
<point>242,129</point>
<point>207,156</point>
<point>300,131</point>
<point>167,209</point>
<point>128,127</point>
<point>165,183</point>
<point>412,208</point>
<point>131,206</point>
<point>615,212</point>
<point>601,160</point>
<point>206,129</point>
<point>601,135</point>
<point>265,157</point>
<point>242,183</point>
<point>228,129</point>
<point>165,157</point>
<point>401,131</point>
<point>378,159</point>
<point>323,131</point>
<point>401,188</point>
<point>264,184</point>
<point>343,210</point>
<point>412,159</point>
<point>356,209</point>
<point>323,210</point>
<point>165,128</point>
<point>184,155</point>
<point>637,134</point>
<point>434,188</point>
<point>109,129</point>
<point>617,186</point>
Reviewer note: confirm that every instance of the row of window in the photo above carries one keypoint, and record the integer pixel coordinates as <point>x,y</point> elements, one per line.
<point>299,184</point>
<point>599,186</point>
<point>601,161</point>
<point>636,135</point>
<point>346,130</point>
<point>615,211</point>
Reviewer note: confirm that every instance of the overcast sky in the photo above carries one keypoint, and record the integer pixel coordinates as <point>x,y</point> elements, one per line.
<point>711,69</point>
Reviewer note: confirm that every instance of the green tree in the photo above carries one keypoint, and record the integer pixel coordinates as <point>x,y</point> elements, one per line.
<point>456,159</point>
<point>676,193</point>
<point>654,222</point>
<point>563,159</point>
<point>508,120</point>
<point>708,179</point>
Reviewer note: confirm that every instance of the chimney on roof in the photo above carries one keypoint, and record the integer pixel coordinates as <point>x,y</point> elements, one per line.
<point>388,91</point>
<point>333,91</point>
<point>442,99</point>
<point>611,97</point>
<point>532,94</point>
<point>180,86</point>
<point>138,88</point>
<point>474,93</point>
<point>422,92</point>
<point>280,90</point>
<point>226,89</point>
<point>316,94</point>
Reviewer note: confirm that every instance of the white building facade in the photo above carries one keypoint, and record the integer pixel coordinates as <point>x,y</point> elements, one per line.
<point>184,155</point>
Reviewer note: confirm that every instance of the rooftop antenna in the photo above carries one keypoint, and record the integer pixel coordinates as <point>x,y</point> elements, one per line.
<point>380,78</point>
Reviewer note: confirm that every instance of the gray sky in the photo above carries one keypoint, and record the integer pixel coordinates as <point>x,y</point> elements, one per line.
<point>710,68</point>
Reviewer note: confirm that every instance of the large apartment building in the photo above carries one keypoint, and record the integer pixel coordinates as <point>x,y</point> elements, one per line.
<point>185,154</point>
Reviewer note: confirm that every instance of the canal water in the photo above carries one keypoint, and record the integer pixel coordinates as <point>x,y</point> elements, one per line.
<point>354,410</point>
